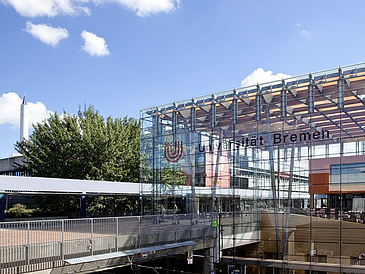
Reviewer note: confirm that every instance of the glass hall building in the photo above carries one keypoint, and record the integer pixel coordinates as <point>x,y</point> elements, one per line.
<point>292,151</point>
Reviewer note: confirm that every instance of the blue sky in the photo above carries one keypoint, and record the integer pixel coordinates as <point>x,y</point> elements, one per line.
<point>125,55</point>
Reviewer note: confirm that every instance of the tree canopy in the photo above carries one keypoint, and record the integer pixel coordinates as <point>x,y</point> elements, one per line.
<point>83,146</point>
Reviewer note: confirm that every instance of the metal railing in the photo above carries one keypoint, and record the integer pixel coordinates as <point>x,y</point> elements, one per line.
<point>36,245</point>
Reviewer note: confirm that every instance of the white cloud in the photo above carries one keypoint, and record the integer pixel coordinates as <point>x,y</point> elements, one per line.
<point>38,112</point>
<point>10,110</point>
<point>94,45</point>
<point>46,33</point>
<point>50,8</point>
<point>145,8</point>
<point>260,76</point>
<point>306,33</point>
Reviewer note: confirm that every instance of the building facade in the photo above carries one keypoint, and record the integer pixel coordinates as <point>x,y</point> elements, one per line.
<point>292,151</point>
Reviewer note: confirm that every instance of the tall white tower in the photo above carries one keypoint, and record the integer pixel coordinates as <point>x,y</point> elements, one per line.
<point>24,120</point>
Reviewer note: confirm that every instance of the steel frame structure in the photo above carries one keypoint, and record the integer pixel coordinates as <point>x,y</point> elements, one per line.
<point>313,115</point>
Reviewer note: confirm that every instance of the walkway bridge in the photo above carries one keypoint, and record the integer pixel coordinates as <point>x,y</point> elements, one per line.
<point>88,245</point>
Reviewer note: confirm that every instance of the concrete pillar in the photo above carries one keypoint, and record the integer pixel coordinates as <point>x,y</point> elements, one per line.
<point>208,264</point>
<point>83,206</point>
<point>167,264</point>
<point>2,207</point>
<point>138,270</point>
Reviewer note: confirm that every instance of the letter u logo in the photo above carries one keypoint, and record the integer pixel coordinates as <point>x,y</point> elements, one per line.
<point>173,153</point>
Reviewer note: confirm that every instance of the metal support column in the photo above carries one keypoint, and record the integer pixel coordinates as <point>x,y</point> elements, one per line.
<point>234,110</point>
<point>310,98</point>
<point>213,115</point>
<point>156,162</point>
<point>2,207</point>
<point>258,106</point>
<point>193,119</point>
<point>174,125</point>
<point>340,91</point>
<point>216,172</point>
<point>140,206</point>
<point>291,175</point>
<point>83,206</point>
<point>190,153</point>
<point>283,108</point>
<point>272,179</point>
<point>340,107</point>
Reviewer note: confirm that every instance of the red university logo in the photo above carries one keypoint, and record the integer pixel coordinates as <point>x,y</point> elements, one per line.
<point>173,153</point>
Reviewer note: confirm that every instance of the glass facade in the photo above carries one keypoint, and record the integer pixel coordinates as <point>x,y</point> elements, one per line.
<point>289,154</point>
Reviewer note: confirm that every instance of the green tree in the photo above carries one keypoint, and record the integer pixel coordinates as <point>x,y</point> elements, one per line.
<point>171,177</point>
<point>82,146</point>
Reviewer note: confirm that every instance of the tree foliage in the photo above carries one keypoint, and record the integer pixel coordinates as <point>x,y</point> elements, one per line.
<point>18,211</point>
<point>171,177</point>
<point>83,146</point>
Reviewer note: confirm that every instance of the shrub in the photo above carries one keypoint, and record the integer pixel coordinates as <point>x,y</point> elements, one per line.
<point>19,211</point>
